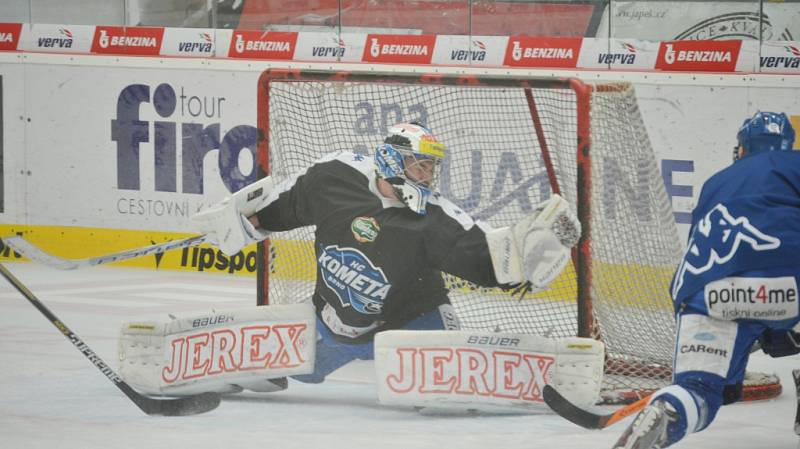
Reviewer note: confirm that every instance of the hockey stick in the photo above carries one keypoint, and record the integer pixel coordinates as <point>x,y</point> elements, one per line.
<point>36,254</point>
<point>189,405</point>
<point>584,418</point>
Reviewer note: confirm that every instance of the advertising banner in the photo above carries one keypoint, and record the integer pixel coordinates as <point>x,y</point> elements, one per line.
<point>555,52</point>
<point>58,38</point>
<point>470,50</point>
<point>724,54</point>
<point>693,131</point>
<point>10,34</point>
<point>780,57</point>
<point>399,48</point>
<point>262,45</point>
<point>142,151</point>
<point>346,47</point>
<point>699,56</point>
<point>137,41</point>
<point>619,54</point>
<point>198,42</point>
<point>13,172</point>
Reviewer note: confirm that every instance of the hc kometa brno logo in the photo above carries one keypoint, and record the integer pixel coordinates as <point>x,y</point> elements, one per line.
<point>355,280</point>
<point>197,139</point>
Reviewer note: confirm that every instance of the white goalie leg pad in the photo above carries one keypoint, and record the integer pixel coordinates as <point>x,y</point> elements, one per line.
<point>226,223</point>
<point>485,371</point>
<point>538,247</point>
<point>221,351</point>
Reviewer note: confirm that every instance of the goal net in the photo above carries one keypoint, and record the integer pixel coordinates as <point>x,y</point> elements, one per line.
<point>512,142</point>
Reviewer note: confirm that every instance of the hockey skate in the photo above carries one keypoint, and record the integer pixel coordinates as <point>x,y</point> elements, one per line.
<point>649,429</point>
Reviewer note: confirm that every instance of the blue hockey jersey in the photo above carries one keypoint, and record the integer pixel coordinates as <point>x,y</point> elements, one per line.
<point>747,218</point>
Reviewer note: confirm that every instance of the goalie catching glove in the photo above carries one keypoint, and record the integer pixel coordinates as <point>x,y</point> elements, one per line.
<point>538,247</point>
<point>226,224</point>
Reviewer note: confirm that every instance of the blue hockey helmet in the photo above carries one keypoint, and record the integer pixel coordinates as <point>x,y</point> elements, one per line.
<point>409,160</point>
<point>765,131</point>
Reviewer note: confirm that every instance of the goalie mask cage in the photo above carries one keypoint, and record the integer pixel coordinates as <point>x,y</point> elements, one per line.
<point>511,143</point>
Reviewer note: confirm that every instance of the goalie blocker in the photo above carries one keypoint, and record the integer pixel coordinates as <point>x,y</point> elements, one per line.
<point>225,224</point>
<point>221,351</point>
<point>485,371</point>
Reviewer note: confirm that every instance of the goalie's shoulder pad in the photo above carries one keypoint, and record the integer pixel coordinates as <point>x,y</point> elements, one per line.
<point>221,351</point>
<point>487,371</point>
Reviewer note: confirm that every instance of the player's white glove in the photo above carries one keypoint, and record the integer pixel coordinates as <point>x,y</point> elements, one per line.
<point>226,225</point>
<point>538,247</point>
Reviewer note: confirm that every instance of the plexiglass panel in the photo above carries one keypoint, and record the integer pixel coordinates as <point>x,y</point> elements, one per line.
<point>296,15</point>
<point>407,16</point>
<point>15,11</point>
<point>78,12</point>
<point>697,20</point>
<point>169,13</point>
<point>535,18</point>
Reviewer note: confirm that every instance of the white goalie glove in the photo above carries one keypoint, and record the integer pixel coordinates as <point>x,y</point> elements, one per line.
<point>538,247</point>
<point>226,223</point>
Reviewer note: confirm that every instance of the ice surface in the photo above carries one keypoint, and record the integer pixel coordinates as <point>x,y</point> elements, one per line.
<point>52,397</point>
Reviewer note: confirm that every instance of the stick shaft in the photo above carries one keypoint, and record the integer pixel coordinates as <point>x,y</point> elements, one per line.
<point>171,407</point>
<point>36,254</point>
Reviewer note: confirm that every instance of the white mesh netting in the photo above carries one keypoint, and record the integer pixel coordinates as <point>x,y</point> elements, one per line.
<point>495,171</point>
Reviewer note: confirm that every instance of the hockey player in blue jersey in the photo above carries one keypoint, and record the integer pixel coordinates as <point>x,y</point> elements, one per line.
<point>737,283</point>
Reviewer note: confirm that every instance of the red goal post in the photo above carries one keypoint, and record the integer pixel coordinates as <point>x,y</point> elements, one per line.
<point>512,142</point>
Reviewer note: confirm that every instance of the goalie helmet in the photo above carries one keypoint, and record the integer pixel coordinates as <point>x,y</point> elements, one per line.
<point>409,160</point>
<point>765,131</point>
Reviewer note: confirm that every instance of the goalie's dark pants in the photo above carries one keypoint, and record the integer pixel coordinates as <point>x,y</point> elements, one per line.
<point>711,352</point>
<point>332,354</point>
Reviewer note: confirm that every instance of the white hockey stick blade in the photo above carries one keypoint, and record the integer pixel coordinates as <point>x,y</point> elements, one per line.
<point>36,254</point>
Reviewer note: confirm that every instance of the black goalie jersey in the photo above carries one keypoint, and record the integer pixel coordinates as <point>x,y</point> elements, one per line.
<point>377,261</point>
